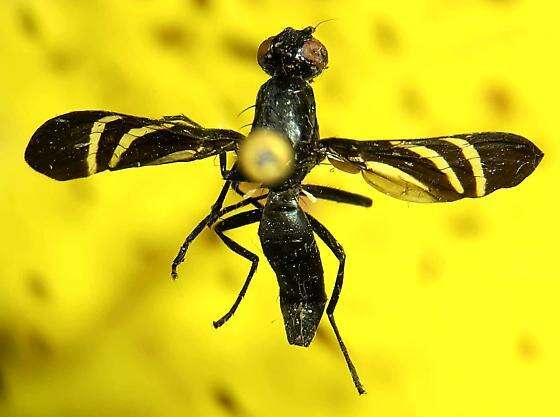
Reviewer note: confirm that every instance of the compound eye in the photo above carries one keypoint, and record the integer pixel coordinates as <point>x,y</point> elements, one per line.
<point>264,48</point>
<point>315,53</point>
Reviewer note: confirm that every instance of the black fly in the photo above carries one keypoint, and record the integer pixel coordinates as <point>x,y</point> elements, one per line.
<point>285,139</point>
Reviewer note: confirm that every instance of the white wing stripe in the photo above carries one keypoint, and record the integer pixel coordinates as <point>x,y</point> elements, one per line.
<point>94,138</point>
<point>472,156</point>
<point>130,137</point>
<point>439,161</point>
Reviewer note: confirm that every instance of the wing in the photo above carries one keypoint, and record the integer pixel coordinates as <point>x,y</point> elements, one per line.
<point>438,169</point>
<point>82,143</point>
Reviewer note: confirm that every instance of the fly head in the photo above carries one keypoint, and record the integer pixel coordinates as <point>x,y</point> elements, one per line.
<point>293,53</point>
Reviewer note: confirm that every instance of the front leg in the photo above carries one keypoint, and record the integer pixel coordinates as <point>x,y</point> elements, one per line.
<point>209,219</point>
<point>227,174</point>
<point>181,118</point>
<point>216,212</point>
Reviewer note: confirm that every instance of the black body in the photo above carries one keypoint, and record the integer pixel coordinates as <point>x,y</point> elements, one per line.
<point>438,169</point>
<point>287,105</point>
<point>288,244</point>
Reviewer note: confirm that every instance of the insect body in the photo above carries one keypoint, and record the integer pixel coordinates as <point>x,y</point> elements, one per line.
<point>439,169</point>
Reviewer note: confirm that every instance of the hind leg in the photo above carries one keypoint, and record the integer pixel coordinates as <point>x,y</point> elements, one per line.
<point>338,251</point>
<point>234,222</point>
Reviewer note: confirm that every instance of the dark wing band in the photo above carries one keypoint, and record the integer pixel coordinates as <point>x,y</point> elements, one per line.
<point>82,143</point>
<point>438,169</point>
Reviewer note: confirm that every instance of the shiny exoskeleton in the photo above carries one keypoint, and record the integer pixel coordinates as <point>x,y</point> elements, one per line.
<point>286,105</point>
<point>440,169</point>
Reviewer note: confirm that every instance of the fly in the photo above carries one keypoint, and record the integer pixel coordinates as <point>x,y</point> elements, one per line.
<point>283,147</point>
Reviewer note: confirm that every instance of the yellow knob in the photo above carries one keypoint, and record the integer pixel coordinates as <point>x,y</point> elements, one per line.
<point>266,157</point>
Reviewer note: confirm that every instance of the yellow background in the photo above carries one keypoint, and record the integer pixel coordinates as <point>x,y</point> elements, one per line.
<point>448,310</point>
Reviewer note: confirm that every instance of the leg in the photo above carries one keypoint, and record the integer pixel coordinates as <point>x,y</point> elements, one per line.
<point>338,251</point>
<point>231,174</point>
<point>216,207</point>
<point>182,118</point>
<point>235,187</point>
<point>233,222</point>
<point>223,165</point>
<point>328,193</point>
<point>340,196</point>
<point>215,213</point>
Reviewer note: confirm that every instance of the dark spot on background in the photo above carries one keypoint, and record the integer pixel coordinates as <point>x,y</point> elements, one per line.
<point>335,89</point>
<point>172,36</point>
<point>411,101</point>
<point>324,338</point>
<point>227,401</point>
<point>229,278</point>
<point>2,385</point>
<point>386,36</point>
<point>499,100</point>
<point>384,371</point>
<point>7,344</point>
<point>37,286</point>
<point>211,239</point>
<point>39,346</point>
<point>241,49</point>
<point>142,276</point>
<point>83,192</point>
<point>527,348</point>
<point>203,4</point>
<point>149,346</point>
<point>28,22</point>
<point>466,225</point>
<point>429,268</point>
<point>61,61</point>
<point>149,254</point>
<point>115,86</point>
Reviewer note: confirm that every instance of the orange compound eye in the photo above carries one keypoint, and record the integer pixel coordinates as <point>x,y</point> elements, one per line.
<point>264,48</point>
<point>315,53</point>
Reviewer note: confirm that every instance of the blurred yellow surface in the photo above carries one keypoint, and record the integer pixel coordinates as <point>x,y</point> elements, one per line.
<point>448,310</point>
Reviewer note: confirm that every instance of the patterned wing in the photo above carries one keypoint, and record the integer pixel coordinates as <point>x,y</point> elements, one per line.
<point>438,169</point>
<point>82,143</point>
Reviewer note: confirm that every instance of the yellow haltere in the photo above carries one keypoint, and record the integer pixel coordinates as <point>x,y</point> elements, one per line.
<point>266,157</point>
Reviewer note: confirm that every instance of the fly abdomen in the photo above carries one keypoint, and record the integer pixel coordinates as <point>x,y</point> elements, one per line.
<point>288,244</point>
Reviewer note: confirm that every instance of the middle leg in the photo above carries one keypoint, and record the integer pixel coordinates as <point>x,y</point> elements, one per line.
<point>339,196</point>
<point>326,193</point>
